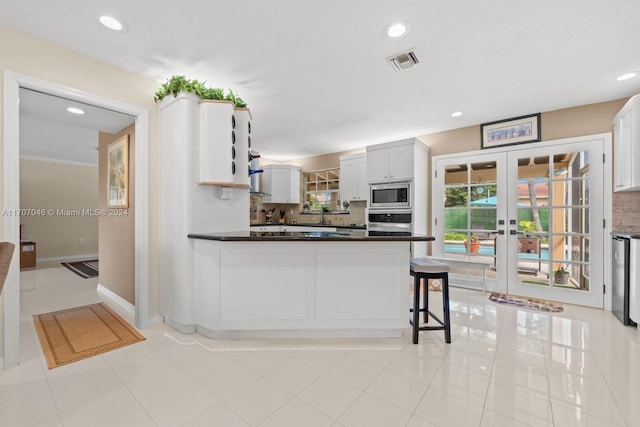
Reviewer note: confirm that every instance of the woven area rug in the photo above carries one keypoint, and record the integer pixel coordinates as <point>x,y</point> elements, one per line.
<point>528,303</point>
<point>85,269</point>
<point>74,334</point>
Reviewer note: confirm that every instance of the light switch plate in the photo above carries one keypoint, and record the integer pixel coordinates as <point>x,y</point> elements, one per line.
<point>227,193</point>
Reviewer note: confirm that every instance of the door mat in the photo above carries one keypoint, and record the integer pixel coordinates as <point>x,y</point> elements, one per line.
<point>74,334</point>
<point>85,269</point>
<point>528,303</point>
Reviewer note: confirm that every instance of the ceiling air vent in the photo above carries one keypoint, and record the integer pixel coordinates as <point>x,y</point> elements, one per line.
<point>403,60</point>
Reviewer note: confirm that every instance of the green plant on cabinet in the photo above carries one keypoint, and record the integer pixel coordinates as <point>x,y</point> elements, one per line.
<point>180,84</point>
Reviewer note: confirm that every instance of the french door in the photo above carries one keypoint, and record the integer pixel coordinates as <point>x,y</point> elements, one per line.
<point>534,213</point>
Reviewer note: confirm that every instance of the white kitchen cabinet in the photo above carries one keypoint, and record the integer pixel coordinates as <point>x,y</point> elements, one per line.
<point>217,149</point>
<point>626,147</point>
<point>353,177</point>
<point>391,161</point>
<point>300,289</point>
<point>282,183</point>
<point>404,160</point>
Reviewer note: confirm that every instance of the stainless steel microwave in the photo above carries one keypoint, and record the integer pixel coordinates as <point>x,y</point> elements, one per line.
<point>390,195</point>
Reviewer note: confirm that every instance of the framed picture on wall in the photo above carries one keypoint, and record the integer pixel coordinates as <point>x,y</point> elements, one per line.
<point>118,173</point>
<point>518,130</point>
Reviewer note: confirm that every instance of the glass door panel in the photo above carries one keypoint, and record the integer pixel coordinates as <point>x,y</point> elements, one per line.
<point>555,219</point>
<point>467,221</point>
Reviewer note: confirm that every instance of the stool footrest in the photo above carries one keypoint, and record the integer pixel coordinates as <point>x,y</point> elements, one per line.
<point>434,317</point>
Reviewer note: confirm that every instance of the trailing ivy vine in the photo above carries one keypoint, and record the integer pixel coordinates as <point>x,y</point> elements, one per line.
<point>177,84</point>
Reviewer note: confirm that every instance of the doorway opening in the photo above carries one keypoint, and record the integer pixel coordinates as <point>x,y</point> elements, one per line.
<point>11,186</point>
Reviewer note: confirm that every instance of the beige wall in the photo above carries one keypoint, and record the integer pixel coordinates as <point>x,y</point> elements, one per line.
<point>29,55</point>
<point>569,122</point>
<point>117,254</point>
<point>67,189</point>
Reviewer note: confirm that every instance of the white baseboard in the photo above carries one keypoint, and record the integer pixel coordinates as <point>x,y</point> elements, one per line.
<point>121,305</point>
<point>156,319</point>
<point>69,258</point>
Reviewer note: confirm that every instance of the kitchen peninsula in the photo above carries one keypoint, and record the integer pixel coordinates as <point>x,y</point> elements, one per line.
<point>300,284</point>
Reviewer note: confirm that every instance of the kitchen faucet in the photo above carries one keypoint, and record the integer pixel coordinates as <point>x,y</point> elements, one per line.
<point>321,217</point>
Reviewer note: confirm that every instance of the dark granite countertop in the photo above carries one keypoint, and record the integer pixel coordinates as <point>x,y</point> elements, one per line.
<point>626,234</point>
<point>348,227</point>
<point>309,236</point>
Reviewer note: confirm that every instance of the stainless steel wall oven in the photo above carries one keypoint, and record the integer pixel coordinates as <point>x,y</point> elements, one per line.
<point>393,222</point>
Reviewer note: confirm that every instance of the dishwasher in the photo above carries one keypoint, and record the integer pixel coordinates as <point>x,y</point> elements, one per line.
<point>625,251</point>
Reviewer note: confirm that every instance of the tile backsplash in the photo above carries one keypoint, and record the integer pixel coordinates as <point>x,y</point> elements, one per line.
<point>355,216</point>
<point>626,212</point>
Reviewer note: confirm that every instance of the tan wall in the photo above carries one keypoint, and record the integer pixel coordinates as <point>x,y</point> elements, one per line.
<point>569,122</point>
<point>65,188</point>
<point>117,252</point>
<point>29,55</point>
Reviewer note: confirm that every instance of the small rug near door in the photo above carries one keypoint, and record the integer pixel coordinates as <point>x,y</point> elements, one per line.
<point>74,334</point>
<point>85,269</point>
<point>528,303</point>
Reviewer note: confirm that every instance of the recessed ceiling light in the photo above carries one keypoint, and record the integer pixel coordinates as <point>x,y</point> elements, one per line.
<point>456,114</point>
<point>74,110</point>
<point>396,30</point>
<point>111,23</point>
<point>626,76</point>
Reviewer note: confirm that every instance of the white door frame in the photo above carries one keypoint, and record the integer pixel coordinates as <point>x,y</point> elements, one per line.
<point>437,188</point>
<point>11,185</point>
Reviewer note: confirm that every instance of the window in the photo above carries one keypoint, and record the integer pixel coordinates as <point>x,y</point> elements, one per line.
<point>322,188</point>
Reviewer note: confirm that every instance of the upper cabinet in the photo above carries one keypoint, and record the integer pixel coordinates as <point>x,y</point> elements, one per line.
<point>626,147</point>
<point>282,183</point>
<point>224,138</point>
<point>217,142</point>
<point>392,161</point>
<point>353,177</point>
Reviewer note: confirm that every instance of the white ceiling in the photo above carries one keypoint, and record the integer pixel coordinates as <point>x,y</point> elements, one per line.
<point>49,131</point>
<point>314,73</point>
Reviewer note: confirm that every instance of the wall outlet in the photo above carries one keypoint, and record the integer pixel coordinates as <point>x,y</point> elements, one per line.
<point>227,193</point>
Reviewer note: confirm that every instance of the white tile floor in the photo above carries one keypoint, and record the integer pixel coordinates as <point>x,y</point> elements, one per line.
<point>505,367</point>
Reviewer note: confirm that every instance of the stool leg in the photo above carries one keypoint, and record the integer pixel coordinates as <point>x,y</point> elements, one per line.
<point>416,307</point>
<point>425,299</point>
<point>445,308</point>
